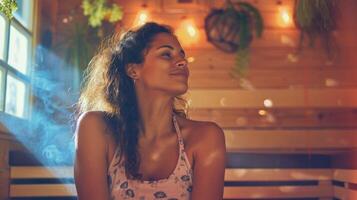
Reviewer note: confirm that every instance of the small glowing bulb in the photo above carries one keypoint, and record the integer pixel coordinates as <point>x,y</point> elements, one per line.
<point>285,16</point>
<point>187,32</point>
<point>143,17</point>
<point>190,59</point>
<point>268,103</point>
<point>262,112</point>
<point>191,30</point>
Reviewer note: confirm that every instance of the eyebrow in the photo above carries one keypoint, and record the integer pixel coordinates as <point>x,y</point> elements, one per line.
<point>170,47</point>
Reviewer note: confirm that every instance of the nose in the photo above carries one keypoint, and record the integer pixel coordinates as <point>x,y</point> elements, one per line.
<point>181,63</point>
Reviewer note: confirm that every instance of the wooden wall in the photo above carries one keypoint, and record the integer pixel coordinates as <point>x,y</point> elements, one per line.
<point>314,97</point>
<point>313,120</point>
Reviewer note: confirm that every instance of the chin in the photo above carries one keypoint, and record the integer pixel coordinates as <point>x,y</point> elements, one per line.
<point>179,90</point>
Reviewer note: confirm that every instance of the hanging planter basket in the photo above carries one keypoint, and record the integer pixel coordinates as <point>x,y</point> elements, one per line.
<point>316,19</point>
<point>232,30</point>
<point>222,29</point>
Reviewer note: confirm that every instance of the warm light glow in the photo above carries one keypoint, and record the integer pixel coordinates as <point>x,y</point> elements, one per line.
<point>223,101</point>
<point>293,58</point>
<point>262,112</point>
<point>330,82</point>
<point>141,18</point>
<point>268,103</point>
<point>187,33</point>
<point>190,59</point>
<point>284,17</point>
<point>286,40</point>
<point>191,30</point>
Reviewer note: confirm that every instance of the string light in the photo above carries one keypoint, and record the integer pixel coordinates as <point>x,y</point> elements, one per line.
<point>268,103</point>
<point>284,18</point>
<point>142,16</point>
<point>262,112</point>
<point>190,59</point>
<point>187,32</point>
<point>191,30</point>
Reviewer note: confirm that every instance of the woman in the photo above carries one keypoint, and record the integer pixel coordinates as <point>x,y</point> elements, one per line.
<point>132,140</point>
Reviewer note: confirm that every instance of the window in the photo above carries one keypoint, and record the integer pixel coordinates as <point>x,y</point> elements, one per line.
<point>2,80</point>
<point>19,49</point>
<point>15,96</point>
<point>23,13</point>
<point>15,59</point>
<point>2,37</point>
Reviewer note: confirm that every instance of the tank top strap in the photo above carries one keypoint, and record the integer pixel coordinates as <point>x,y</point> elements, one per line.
<point>178,131</point>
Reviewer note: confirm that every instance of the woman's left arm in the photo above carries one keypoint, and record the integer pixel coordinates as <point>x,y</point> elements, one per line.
<point>209,164</point>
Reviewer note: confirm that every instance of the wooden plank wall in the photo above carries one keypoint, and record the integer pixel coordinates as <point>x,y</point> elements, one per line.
<point>302,86</point>
<point>276,72</point>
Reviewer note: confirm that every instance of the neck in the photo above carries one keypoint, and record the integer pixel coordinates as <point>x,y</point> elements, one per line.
<point>156,116</point>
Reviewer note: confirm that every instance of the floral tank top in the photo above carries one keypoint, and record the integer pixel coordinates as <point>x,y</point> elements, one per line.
<point>177,186</point>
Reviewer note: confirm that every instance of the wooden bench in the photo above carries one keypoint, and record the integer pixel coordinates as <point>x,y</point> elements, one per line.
<point>240,183</point>
<point>278,184</point>
<point>345,187</point>
<point>42,182</point>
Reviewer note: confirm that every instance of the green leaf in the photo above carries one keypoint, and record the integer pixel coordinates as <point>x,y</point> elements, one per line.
<point>242,62</point>
<point>8,7</point>
<point>257,18</point>
<point>244,16</point>
<point>97,10</point>
<point>244,31</point>
<point>116,14</point>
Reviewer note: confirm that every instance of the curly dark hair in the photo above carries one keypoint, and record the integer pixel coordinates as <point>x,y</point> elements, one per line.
<point>108,88</point>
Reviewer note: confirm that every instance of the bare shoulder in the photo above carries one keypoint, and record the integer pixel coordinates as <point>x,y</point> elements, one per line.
<point>91,126</point>
<point>210,135</point>
<point>203,134</point>
<point>87,118</point>
<point>208,157</point>
<point>90,164</point>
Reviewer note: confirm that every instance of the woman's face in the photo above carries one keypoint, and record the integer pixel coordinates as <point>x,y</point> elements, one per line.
<point>165,66</point>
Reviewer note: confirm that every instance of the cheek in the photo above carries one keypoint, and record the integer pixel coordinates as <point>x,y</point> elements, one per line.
<point>156,71</point>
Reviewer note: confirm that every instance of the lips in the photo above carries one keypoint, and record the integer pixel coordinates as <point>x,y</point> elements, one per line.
<point>181,72</point>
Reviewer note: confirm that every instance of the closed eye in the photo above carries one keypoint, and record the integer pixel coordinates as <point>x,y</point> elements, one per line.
<point>166,55</point>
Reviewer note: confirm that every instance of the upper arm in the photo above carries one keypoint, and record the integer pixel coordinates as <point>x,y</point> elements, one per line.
<point>209,167</point>
<point>90,165</point>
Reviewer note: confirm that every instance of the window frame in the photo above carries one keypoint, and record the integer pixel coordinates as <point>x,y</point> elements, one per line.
<point>8,70</point>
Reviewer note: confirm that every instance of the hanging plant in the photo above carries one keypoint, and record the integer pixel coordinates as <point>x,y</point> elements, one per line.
<point>316,19</point>
<point>8,7</point>
<point>99,10</point>
<point>232,29</point>
<point>83,35</point>
<point>80,45</point>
